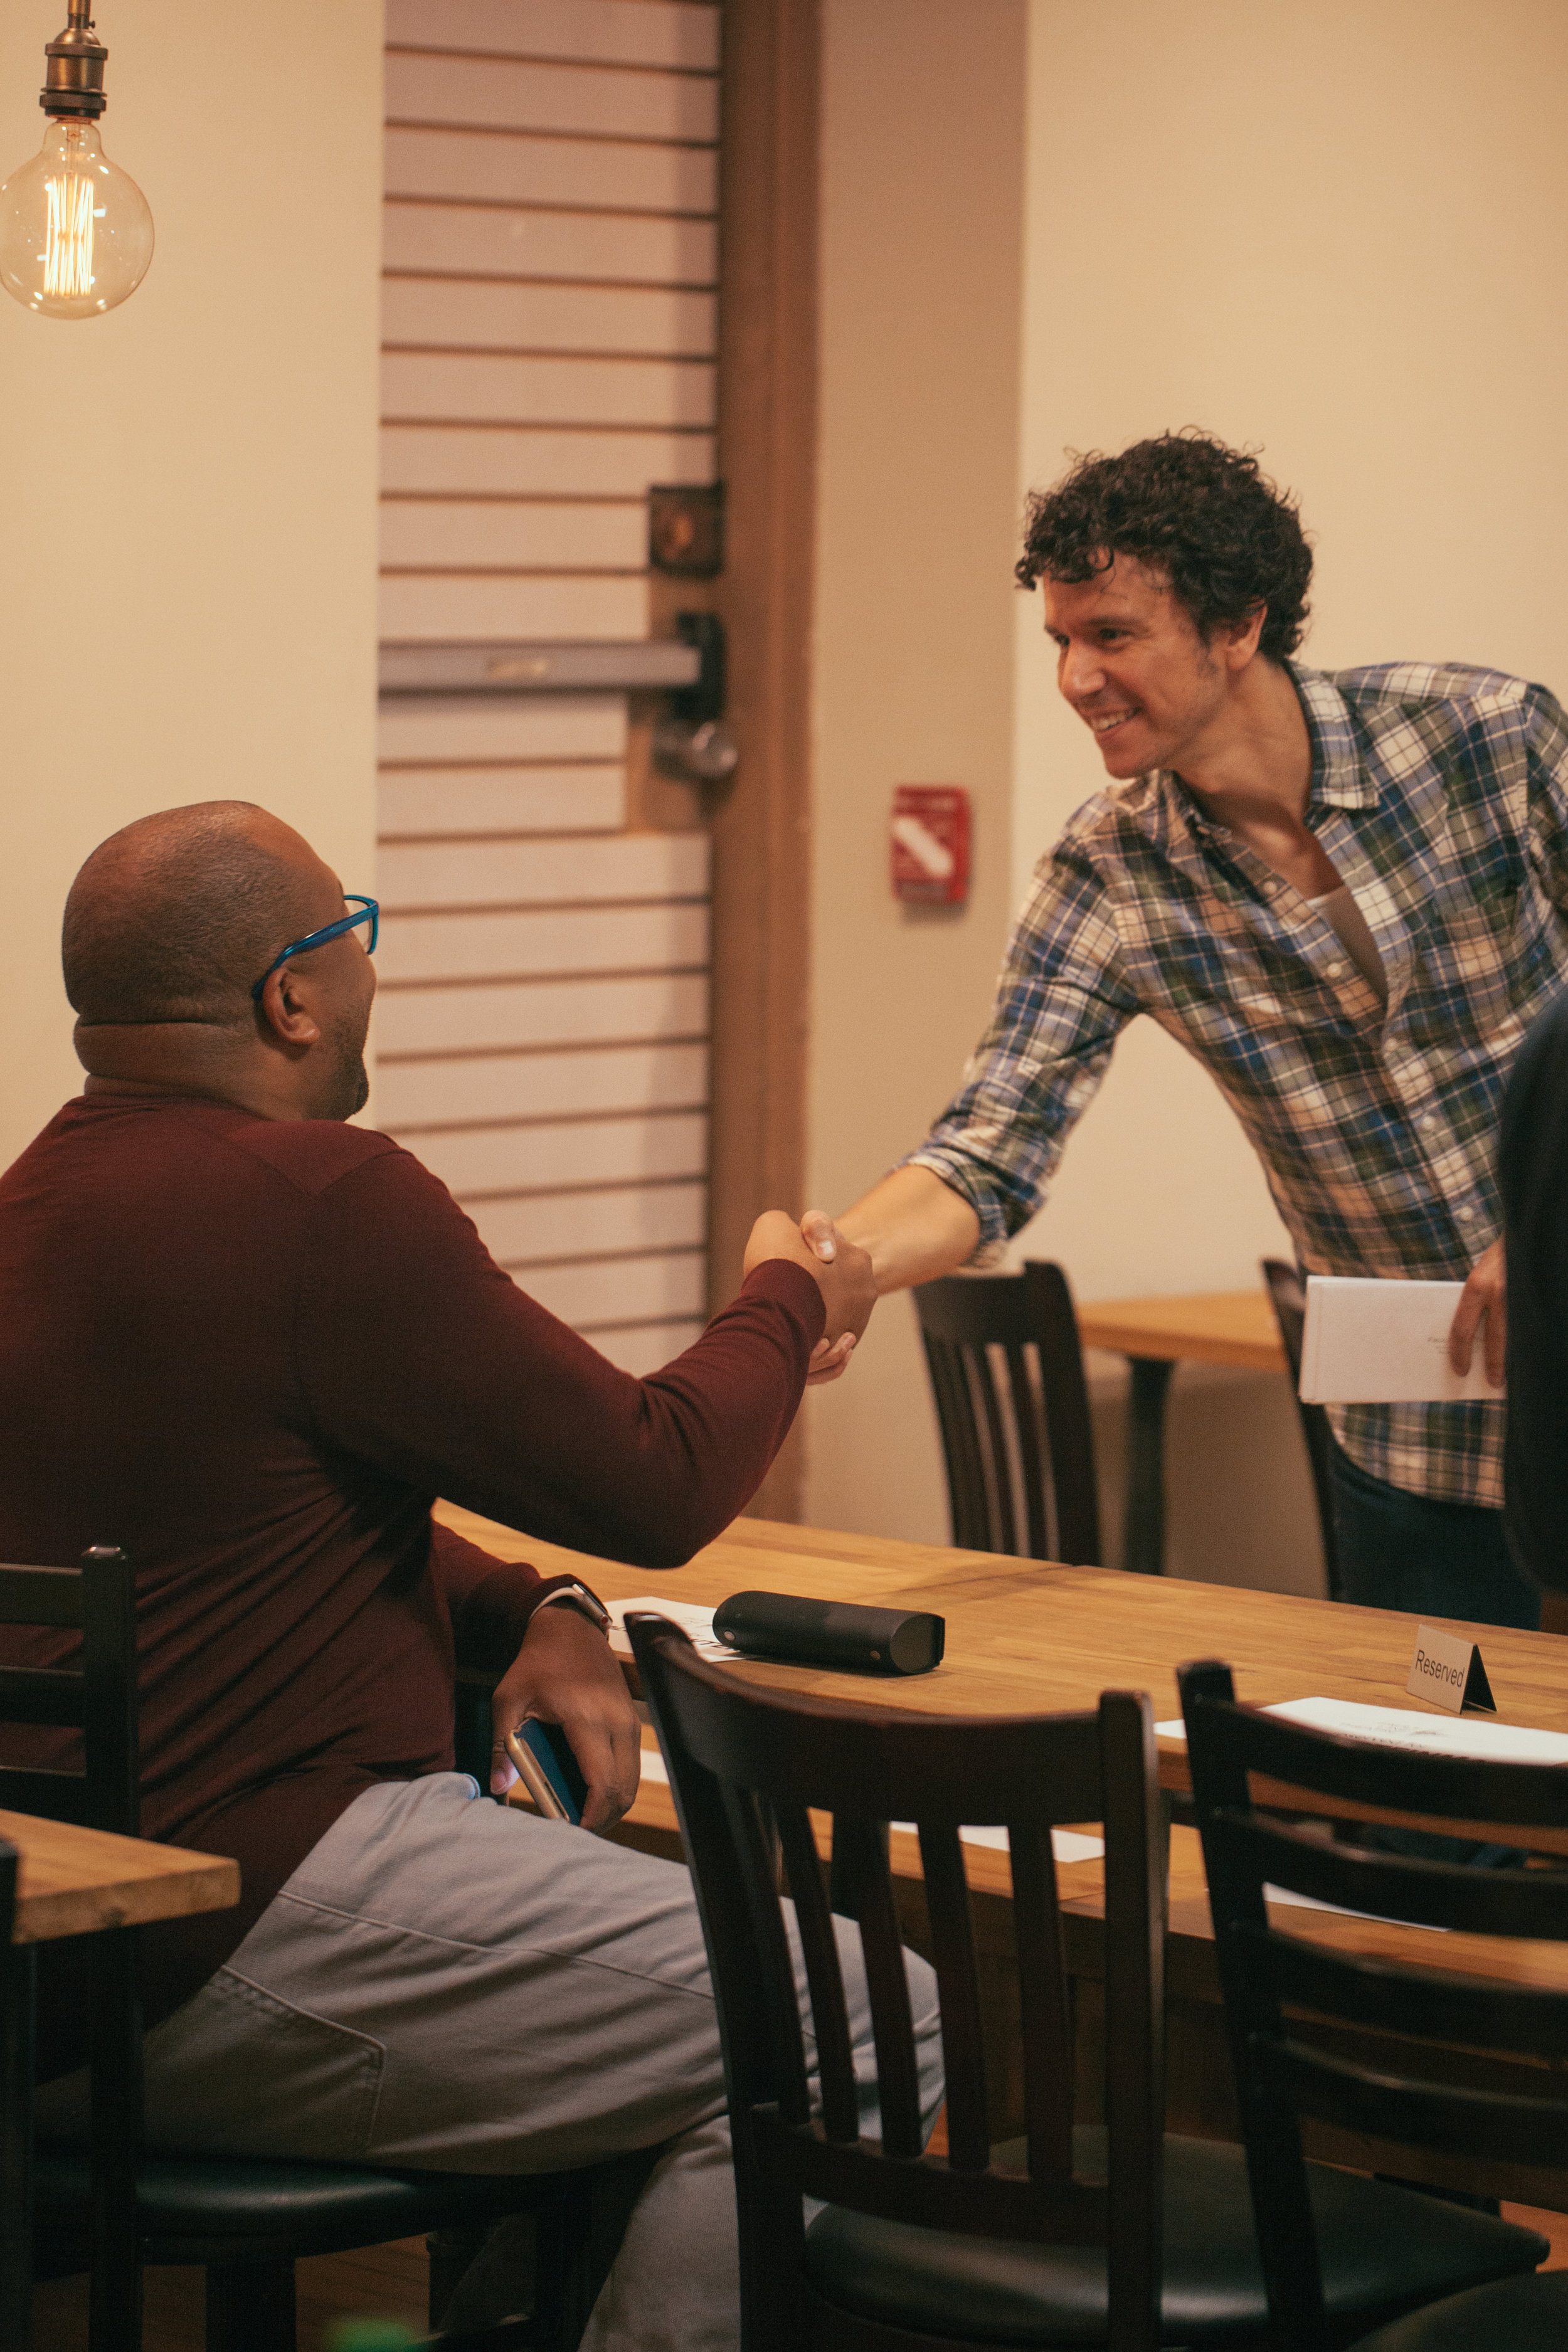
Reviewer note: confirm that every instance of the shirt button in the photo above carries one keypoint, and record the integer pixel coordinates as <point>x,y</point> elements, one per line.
<point>1427,1121</point>
<point>1334,971</point>
<point>1463,1215</point>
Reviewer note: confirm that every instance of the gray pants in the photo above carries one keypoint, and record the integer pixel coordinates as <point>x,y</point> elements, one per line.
<point>447,1983</point>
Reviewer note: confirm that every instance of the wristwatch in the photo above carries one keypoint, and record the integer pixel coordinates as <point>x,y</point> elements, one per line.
<point>577,1595</point>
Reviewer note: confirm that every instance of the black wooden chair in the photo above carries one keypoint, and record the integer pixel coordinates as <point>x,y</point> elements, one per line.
<point>16,2116</point>
<point>1008,1373</point>
<point>114,2206</point>
<point>1055,2239</point>
<point>1474,2285</point>
<point>1287,1296</point>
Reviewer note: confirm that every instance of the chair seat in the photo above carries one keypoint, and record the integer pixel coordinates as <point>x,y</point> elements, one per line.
<point>1517,2315</point>
<point>201,2203</point>
<point>1385,2250</point>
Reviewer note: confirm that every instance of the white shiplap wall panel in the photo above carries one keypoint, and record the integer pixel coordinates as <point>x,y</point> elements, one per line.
<point>487,946</point>
<point>476,1161</point>
<point>541,1013</point>
<point>481,388</point>
<point>548,330</point>
<point>601,174</point>
<point>416,730</point>
<point>627,865</point>
<point>492,315</point>
<point>644,1347</point>
<point>617,1291</point>
<point>415,801</point>
<point>534,534</point>
<point>466,1090</point>
<point>457,607</point>
<point>457,461</point>
<point>499,241</point>
<point>495,93</point>
<point>604,32</point>
<point>617,1220</point>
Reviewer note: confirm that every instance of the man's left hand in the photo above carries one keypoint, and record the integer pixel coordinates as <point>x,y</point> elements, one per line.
<point>1483,1301</point>
<point>566,1674</point>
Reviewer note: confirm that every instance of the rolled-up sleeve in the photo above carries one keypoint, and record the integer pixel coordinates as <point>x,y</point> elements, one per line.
<point>1061,1002</point>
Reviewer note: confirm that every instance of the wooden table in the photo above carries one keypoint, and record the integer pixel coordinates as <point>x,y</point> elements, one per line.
<point>1155,1335</point>
<point>1025,1637</point>
<point>71,1882</point>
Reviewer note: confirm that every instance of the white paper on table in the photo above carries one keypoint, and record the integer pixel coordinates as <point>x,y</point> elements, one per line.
<point>1313,1902</point>
<point>1068,1845</point>
<point>689,1615</point>
<point>1401,1726</point>
<point>1370,1342</point>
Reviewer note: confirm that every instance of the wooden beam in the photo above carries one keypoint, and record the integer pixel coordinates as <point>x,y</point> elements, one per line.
<point>767,438</point>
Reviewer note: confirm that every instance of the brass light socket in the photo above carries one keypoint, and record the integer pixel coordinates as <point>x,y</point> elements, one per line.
<point>73,81</point>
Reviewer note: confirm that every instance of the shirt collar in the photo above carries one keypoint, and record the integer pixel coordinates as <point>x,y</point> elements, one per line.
<point>1339,775</point>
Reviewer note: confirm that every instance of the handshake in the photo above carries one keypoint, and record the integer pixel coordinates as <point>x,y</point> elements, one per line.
<point>841,1271</point>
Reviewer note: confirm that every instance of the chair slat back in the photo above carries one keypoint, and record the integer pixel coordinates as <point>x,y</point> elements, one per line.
<point>1006,1371</point>
<point>96,1697</point>
<point>1287,1296</point>
<point>730,1746</point>
<point>1246,1764</point>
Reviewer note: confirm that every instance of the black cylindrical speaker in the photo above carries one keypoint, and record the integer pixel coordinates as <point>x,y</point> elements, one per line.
<point>837,1633</point>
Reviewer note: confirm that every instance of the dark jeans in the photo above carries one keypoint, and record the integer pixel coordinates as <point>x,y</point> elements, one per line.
<point>1434,1559</point>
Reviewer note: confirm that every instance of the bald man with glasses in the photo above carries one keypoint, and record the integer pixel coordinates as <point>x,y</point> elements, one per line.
<point>251,1344</point>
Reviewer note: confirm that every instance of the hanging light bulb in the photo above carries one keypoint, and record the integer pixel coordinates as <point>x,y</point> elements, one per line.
<point>76,234</point>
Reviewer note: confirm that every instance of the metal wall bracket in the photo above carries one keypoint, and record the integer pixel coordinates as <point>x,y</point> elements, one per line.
<point>551,665</point>
<point>692,740</point>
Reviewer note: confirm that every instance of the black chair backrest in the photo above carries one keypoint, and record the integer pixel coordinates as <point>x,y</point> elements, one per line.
<point>1287,1296</point>
<point>748,1767</point>
<point>96,1697</point>
<point>1007,1372</point>
<point>1286,2069</point>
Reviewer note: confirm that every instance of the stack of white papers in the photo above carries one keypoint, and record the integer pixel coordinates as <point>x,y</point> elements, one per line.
<point>1383,1343</point>
<point>1400,1727</point>
<point>689,1615</point>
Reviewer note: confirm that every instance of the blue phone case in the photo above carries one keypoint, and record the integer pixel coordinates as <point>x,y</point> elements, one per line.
<point>553,1751</point>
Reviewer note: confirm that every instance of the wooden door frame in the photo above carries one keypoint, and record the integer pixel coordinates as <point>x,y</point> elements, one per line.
<point>762,826</point>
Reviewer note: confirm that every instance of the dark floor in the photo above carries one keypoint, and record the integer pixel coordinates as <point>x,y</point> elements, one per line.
<point>382,2282</point>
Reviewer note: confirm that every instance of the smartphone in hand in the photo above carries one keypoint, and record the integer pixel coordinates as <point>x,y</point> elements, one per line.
<point>548,1770</point>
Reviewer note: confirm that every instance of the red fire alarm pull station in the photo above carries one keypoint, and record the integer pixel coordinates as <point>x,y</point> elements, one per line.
<point>930,844</point>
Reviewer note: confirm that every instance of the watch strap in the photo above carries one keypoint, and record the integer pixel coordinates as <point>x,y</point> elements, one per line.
<point>571,1591</point>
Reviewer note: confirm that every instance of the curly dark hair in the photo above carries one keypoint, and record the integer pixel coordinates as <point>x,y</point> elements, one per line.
<point>1207,517</point>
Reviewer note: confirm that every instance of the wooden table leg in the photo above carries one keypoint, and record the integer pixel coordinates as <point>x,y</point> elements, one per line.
<point>1143,1535</point>
<point>16,2032</point>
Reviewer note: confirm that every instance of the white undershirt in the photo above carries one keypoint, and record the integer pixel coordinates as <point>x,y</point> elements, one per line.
<point>1339,909</point>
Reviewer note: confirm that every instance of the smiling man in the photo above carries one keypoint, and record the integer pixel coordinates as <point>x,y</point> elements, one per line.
<point>1345,896</point>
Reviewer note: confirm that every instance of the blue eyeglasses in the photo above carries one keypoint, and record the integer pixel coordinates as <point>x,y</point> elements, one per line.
<point>369,913</point>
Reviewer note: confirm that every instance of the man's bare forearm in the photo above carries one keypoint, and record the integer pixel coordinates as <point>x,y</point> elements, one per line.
<point>914,1227</point>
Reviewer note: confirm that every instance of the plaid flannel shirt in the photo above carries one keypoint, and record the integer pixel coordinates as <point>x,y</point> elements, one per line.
<point>1440,795</point>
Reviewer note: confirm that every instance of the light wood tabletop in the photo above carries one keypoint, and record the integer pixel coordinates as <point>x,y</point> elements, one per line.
<point>74,1882</point>
<point>1024,1636</point>
<point>1217,1327</point>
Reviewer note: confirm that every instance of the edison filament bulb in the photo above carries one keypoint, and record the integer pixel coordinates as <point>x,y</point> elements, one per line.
<point>76,233</point>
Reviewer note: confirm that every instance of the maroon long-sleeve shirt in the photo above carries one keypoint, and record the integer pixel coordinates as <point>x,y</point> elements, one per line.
<point>253,1352</point>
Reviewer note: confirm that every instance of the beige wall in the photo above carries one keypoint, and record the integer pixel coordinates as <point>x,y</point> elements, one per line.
<point>187,486</point>
<point>1336,233</point>
<point>923,187</point>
